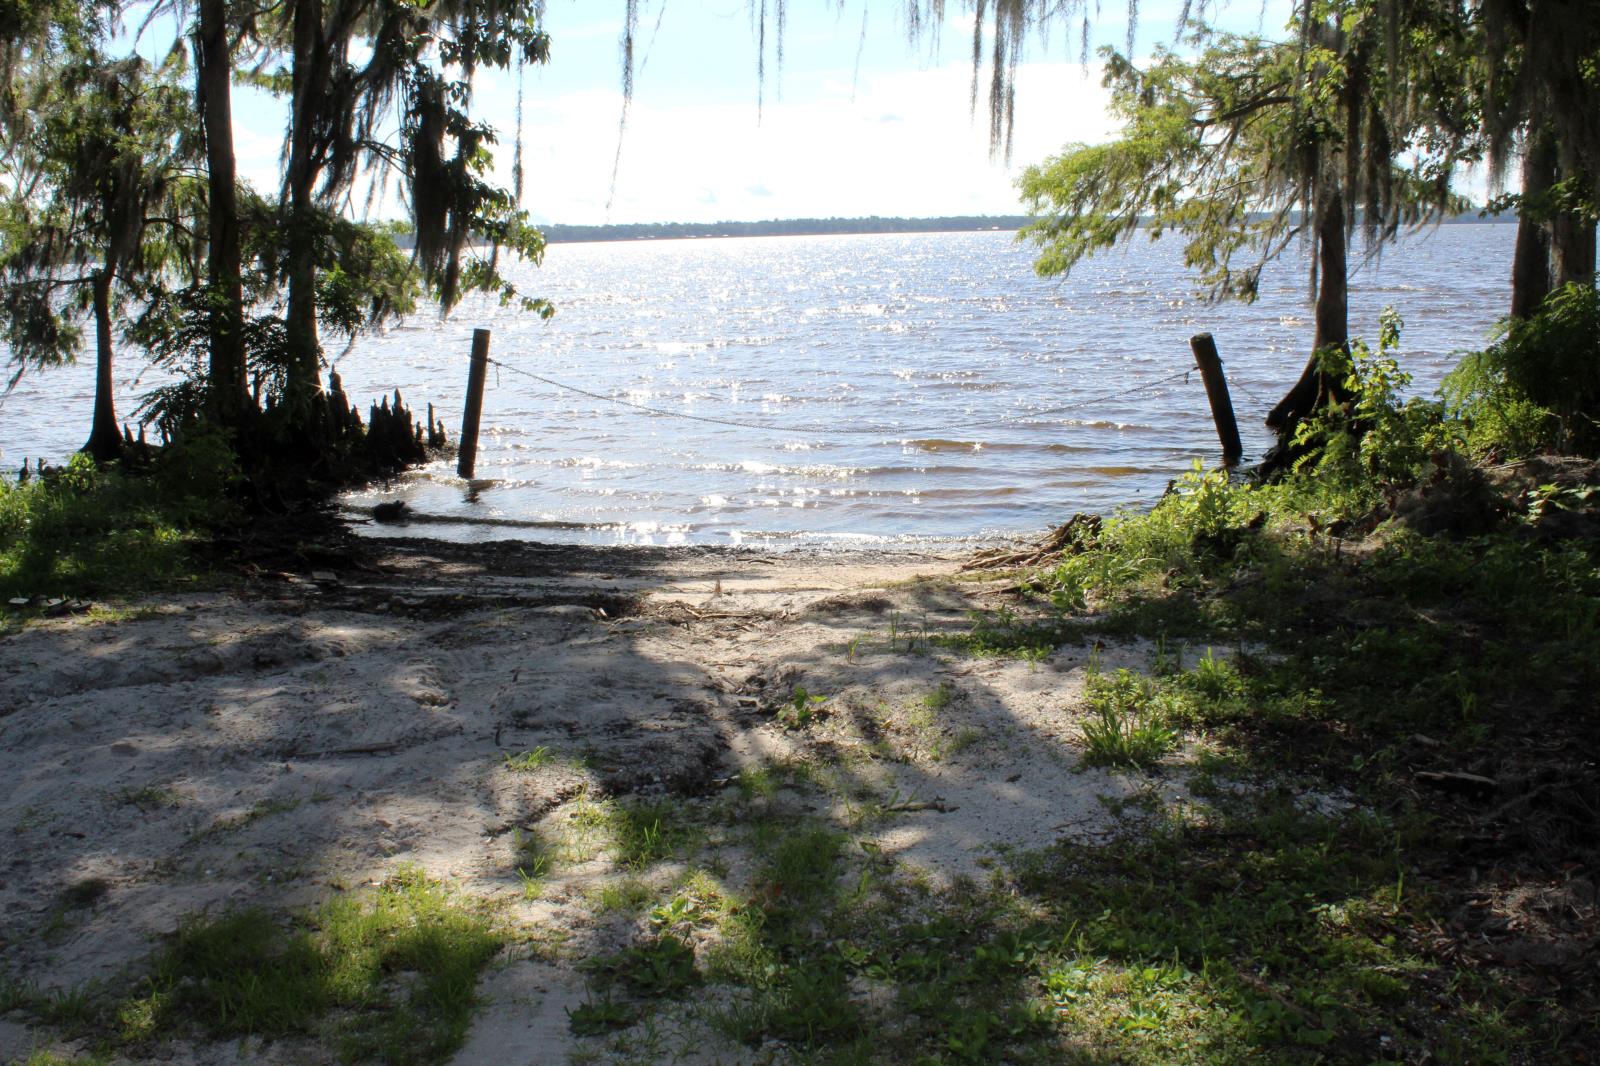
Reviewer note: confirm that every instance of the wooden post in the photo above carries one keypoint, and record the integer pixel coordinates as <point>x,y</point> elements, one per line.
<point>467,461</point>
<point>1210,364</point>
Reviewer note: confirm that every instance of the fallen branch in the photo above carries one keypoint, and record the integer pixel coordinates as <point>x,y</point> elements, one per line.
<point>913,806</point>
<point>1079,534</point>
<point>1457,781</point>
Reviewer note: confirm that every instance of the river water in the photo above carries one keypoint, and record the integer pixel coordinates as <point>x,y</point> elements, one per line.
<point>885,388</point>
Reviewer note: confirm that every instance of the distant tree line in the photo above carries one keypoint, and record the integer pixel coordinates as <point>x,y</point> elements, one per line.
<point>793,227</point>
<point>557,234</point>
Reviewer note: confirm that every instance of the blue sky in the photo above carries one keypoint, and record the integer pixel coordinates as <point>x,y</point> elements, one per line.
<point>854,124</point>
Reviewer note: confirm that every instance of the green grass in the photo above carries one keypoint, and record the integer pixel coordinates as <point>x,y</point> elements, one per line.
<point>385,976</point>
<point>263,808</point>
<point>81,531</point>
<point>529,761</point>
<point>52,1058</point>
<point>942,696</point>
<point>1003,634</point>
<point>1243,926</point>
<point>14,993</point>
<point>1129,725</point>
<point>634,833</point>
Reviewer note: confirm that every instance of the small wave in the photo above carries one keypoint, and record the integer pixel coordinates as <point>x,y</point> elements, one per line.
<point>1055,447</point>
<point>947,493</point>
<point>840,538</point>
<point>595,462</point>
<point>938,444</point>
<point>1120,427</point>
<point>760,469</point>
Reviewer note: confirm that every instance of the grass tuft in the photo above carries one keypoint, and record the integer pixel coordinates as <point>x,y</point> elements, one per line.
<point>389,975</point>
<point>1128,727</point>
<point>528,761</point>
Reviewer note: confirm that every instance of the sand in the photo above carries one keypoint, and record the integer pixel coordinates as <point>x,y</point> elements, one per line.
<point>314,729</point>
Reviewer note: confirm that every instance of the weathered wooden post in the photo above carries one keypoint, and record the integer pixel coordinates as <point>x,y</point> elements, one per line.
<point>467,457</point>
<point>1210,364</point>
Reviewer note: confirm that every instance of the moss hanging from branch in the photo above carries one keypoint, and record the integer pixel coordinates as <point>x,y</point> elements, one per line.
<point>1000,31</point>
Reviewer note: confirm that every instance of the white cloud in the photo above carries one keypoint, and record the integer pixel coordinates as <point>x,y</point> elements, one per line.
<point>897,144</point>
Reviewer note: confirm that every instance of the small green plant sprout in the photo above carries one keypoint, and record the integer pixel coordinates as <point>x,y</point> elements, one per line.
<point>597,1018</point>
<point>1127,729</point>
<point>14,993</point>
<point>679,910</point>
<point>147,799</point>
<point>531,870</point>
<point>853,649</point>
<point>663,966</point>
<point>1167,659</point>
<point>801,708</point>
<point>528,761</point>
<point>1216,679</point>
<point>942,696</point>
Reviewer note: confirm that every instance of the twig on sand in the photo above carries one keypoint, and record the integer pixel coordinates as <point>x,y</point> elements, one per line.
<point>358,749</point>
<point>914,806</point>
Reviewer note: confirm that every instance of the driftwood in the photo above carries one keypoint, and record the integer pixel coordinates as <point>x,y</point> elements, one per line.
<point>1078,534</point>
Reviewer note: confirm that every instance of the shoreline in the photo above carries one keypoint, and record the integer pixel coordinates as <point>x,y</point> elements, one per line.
<point>760,542</point>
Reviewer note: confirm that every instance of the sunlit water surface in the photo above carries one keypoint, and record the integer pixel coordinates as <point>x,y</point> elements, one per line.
<point>897,387</point>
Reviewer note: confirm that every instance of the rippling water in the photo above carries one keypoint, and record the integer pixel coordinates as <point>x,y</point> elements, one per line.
<point>904,386</point>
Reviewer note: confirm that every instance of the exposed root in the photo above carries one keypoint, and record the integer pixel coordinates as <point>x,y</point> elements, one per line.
<point>1078,534</point>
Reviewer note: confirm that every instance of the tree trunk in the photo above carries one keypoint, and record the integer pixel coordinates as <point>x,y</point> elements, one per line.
<point>1333,294</point>
<point>1332,327</point>
<point>1530,264</point>
<point>105,443</point>
<point>214,92</point>
<point>1572,249</point>
<point>308,82</point>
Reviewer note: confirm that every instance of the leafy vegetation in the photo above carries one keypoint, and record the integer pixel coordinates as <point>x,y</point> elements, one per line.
<point>1128,725</point>
<point>84,530</point>
<point>1535,387</point>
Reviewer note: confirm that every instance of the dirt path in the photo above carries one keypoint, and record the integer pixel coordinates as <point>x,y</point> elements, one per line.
<point>314,731</point>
